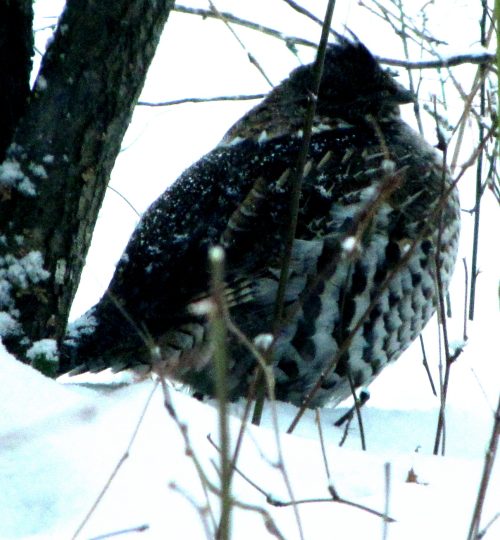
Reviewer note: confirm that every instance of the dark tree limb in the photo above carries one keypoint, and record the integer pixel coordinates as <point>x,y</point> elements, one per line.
<point>16,50</point>
<point>53,180</point>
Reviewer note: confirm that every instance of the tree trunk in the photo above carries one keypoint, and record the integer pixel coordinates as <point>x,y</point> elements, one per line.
<point>60,157</point>
<point>16,48</point>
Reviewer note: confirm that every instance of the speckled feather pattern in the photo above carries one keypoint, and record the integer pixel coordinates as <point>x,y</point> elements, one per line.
<point>347,264</point>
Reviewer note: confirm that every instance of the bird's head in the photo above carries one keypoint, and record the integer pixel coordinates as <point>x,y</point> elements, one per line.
<point>353,84</point>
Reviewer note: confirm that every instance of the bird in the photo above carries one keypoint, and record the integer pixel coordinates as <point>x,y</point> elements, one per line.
<point>378,222</point>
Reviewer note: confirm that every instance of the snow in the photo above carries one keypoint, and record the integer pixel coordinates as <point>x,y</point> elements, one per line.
<point>84,325</point>
<point>60,443</point>
<point>46,348</point>
<point>8,325</point>
<point>21,271</point>
<point>11,174</point>
<point>38,170</point>
<point>26,187</point>
<point>10,171</point>
<point>16,274</point>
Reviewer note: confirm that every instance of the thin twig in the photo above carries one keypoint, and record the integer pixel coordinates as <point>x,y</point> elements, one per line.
<point>296,187</point>
<point>368,211</point>
<point>322,444</point>
<point>290,41</point>
<point>218,333</point>
<point>269,379</point>
<point>118,466</point>
<point>303,11</point>
<point>364,396</point>
<point>404,39</point>
<point>489,460</point>
<point>393,19</point>
<point>387,491</point>
<point>232,328</point>
<point>357,409</point>
<point>442,312</point>
<point>468,108</point>
<point>129,530</point>
<point>481,534</point>
<point>241,97</point>
<point>426,365</point>
<point>479,170</point>
<point>268,521</point>
<point>114,190</point>
<point>250,56</point>
<point>202,510</point>
<point>297,177</point>
<point>207,13</point>
<point>440,62</point>
<point>335,497</point>
<point>466,278</point>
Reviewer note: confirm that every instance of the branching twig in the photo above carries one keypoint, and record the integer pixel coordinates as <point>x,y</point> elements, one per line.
<point>269,380</point>
<point>357,410</point>
<point>441,309</point>
<point>404,39</point>
<point>360,223</point>
<point>250,56</point>
<point>335,497</point>
<point>207,13</point>
<point>364,396</point>
<point>291,41</point>
<point>268,521</point>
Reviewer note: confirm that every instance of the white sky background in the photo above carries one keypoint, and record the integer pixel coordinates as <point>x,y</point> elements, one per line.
<point>200,58</point>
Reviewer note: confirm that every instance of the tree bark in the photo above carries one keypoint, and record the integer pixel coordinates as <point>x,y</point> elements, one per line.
<point>16,49</point>
<point>54,177</point>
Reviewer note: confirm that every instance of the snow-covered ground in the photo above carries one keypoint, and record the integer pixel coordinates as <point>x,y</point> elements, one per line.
<point>60,442</point>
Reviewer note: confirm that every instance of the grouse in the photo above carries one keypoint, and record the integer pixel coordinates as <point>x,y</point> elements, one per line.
<point>378,219</point>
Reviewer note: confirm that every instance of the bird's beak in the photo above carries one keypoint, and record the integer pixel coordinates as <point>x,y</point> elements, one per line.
<point>402,95</point>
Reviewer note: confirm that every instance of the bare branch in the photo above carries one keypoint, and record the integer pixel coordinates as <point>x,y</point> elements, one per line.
<point>450,61</point>
<point>290,41</point>
<point>200,100</point>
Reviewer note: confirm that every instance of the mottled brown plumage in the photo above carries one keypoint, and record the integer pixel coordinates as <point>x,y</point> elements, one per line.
<point>364,254</point>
